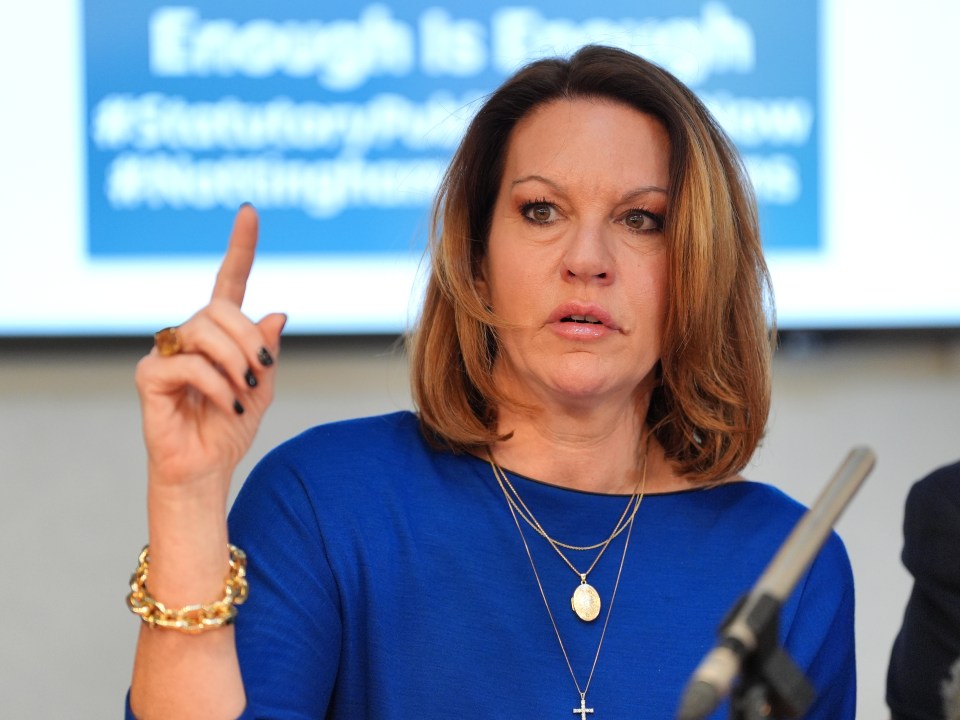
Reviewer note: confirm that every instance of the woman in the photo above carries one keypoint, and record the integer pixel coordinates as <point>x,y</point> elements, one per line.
<point>561,526</point>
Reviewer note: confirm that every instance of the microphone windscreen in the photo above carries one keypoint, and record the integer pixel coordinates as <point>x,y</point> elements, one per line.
<point>699,700</point>
<point>951,693</point>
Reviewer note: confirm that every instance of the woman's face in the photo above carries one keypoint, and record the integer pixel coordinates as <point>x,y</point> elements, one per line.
<point>576,256</point>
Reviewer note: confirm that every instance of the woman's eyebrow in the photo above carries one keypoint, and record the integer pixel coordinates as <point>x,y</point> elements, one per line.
<point>642,190</point>
<point>537,178</point>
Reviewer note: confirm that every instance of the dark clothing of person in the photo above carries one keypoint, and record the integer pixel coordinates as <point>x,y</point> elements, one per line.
<point>929,639</point>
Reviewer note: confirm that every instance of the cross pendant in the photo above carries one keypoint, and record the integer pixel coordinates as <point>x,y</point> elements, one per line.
<point>583,710</point>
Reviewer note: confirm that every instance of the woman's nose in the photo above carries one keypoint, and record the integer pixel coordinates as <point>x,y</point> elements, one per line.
<point>587,257</point>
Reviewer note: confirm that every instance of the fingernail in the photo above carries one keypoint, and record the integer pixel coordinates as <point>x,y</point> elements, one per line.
<point>266,359</point>
<point>250,378</point>
<point>237,407</point>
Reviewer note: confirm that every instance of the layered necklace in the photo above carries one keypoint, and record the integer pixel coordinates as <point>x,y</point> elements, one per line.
<point>585,601</point>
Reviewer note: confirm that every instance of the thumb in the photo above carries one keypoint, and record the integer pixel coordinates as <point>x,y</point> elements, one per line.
<point>272,326</point>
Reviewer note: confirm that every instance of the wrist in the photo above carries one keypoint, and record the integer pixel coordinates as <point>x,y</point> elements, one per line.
<point>187,535</point>
<point>195,617</point>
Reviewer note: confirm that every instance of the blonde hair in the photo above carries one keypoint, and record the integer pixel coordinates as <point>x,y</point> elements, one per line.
<point>710,408</point>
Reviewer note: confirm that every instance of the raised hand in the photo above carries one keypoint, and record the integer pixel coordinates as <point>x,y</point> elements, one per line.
<point>202,402</point>
<point>202,405</point>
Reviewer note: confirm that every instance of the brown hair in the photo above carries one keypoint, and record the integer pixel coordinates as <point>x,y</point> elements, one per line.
<point>710,408</point>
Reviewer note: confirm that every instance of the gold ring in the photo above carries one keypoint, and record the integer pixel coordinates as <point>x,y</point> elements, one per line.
<point>168,342</point>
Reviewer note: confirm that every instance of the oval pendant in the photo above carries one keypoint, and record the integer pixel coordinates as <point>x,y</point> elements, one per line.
<point>585,602</point>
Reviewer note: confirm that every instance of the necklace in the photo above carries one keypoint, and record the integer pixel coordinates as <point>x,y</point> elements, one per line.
<point>583,710</point>
<point>585,600</point>
<point>527,516</point>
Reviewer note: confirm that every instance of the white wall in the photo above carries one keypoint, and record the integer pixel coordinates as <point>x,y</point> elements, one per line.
<point>72,487</point>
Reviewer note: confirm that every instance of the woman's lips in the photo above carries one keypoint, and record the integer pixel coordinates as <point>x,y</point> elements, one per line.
<point>581,321</point>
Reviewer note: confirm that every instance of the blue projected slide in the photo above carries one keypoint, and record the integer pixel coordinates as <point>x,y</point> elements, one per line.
<point>132,131</point>
<point>348,115</point>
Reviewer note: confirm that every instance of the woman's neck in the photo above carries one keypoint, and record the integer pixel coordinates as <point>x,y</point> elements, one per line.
<point>598,450</point>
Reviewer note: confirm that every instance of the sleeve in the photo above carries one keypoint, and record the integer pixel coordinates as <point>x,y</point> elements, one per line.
<point>820,634</point>
<point>128,713</point>
<point>929,637</point>
<point>289,630</point>
<point>931,535</point>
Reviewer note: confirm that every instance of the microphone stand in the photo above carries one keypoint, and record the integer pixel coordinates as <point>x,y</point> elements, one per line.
<point>771,685</point>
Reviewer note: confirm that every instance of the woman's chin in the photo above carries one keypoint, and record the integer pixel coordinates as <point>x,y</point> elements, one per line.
<point>586,390</point>
<point>575,379</point>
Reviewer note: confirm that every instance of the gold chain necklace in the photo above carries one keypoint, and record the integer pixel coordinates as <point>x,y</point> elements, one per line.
<point>527,516</point>
<point>585,600</point>
<point>583,710</point>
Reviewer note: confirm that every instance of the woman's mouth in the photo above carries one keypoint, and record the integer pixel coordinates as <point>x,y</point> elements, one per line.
<point>581,319</point>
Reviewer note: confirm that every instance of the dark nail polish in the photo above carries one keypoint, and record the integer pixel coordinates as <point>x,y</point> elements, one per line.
<point>251,378</point>
<point>266,359</point>
<point>237,407</point>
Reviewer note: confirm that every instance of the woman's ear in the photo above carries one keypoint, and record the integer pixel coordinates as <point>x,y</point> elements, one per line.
<point>480,283</point>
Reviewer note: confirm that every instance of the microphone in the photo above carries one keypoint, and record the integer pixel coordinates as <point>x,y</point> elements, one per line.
<point>712,680</point>
<point>951,693</point>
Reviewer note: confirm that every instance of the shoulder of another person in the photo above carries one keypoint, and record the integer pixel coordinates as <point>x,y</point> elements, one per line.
<point>944,479</point>
<point>936,493</point>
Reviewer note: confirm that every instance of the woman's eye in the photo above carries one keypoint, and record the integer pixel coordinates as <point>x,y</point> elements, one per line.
<point>539,212</point>
<point>643,220</point>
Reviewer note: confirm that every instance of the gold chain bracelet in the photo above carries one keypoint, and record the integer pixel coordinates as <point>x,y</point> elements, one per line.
<point>190,618</point>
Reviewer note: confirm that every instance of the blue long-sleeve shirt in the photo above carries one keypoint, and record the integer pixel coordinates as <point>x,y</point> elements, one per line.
<point>388,580</point>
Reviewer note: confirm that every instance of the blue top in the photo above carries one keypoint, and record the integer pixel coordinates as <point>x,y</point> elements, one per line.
<point>389,580</point>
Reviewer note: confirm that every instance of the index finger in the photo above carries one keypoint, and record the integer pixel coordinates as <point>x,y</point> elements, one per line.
<point>232,277</point>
